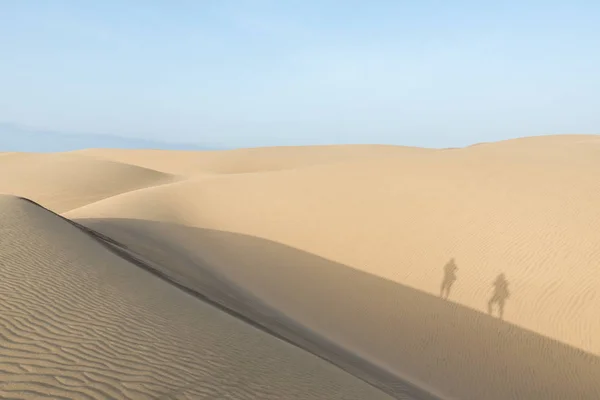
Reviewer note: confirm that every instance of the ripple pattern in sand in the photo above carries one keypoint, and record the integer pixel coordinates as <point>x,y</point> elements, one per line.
<point>77,322</point>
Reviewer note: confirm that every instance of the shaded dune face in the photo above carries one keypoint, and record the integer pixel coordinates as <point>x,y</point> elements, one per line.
<point>388,261</point>
<point>78,322</point>
<point>443,346</point>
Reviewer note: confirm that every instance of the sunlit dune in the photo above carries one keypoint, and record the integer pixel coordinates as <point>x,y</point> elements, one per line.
<point>250,160</point>
<point>65,181</point>
<point>345,251</point>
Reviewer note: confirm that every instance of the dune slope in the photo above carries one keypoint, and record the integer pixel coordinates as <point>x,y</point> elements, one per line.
<point>79,322</point>
<point>355,250</point>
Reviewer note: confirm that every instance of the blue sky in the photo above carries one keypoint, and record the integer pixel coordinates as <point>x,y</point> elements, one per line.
<point>288,72</point>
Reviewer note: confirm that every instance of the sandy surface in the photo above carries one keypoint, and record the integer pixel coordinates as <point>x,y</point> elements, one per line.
<point>65,181</point>
<point>78,322</point>
<point>341,249</point>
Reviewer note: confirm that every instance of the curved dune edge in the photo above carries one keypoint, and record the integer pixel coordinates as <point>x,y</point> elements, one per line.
<point>250,160</point>
<point>223,294</point>
<point>79,322</point>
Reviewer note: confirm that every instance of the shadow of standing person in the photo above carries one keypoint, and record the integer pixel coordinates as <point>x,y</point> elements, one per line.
<point>500,295</point>
<point>449,277</point>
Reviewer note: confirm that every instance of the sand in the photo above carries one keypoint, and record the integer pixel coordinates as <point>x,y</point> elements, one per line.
<point>79,322</point>
<point>66,181</point>
<point>341,251</point>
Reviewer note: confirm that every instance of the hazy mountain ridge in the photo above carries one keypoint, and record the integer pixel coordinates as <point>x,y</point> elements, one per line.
<point>14,137</point>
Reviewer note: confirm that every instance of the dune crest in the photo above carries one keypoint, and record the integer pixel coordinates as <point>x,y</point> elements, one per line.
<point>251,160</point>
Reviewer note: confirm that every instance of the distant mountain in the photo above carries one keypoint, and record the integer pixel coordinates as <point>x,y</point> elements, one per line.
<point>17,138</point>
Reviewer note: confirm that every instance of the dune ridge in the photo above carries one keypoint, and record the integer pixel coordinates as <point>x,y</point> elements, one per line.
<point>78,322</point>
<point>218,291</point>
<point>250,160</point>
<point>347,244</point>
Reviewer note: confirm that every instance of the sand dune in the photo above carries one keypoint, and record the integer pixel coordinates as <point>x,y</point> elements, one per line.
<point>65,181</point>
<point>341,249</point>
<point>77,321</point>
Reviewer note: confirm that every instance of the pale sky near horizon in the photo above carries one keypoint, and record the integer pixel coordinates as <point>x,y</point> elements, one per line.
<point>242,73</point>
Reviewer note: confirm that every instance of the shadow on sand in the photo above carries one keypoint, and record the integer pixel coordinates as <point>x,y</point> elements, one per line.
<point>449,278</point>
<point>447,348</point>
<point>499,297</point>
<point>501,293</point>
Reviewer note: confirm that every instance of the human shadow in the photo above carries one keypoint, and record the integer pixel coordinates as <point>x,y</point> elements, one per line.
<point>501,293</point>
<point>361,322</point>
<point>449,278</point>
